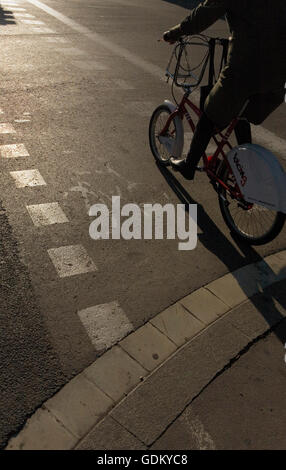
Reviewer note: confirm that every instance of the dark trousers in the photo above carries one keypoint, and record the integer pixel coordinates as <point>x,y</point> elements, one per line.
<point>202,136</point>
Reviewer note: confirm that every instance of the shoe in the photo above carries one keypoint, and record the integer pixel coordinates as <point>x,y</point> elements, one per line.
<point>183,168</point>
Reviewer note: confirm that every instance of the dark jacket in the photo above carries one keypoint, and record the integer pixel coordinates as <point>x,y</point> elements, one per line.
<point>257,49</point>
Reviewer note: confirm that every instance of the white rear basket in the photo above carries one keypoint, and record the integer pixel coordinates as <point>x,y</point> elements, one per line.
<point>259,175</point>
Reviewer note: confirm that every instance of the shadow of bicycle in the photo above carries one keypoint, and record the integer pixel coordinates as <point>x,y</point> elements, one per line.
<point>216,242</point>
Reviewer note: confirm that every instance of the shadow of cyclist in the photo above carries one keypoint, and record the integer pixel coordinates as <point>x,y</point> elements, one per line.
<point>216,242</point>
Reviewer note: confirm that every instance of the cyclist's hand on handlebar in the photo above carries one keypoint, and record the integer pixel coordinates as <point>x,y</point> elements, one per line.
<point>166,37</point>
<point>173,34</point>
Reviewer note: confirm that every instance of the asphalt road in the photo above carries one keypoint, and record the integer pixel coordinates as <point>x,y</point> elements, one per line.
<point>79,81</point>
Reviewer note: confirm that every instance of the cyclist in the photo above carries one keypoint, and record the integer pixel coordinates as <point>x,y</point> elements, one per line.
<point>254,75</point>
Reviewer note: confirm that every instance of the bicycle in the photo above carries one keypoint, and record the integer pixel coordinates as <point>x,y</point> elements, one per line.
<point>250,214</point>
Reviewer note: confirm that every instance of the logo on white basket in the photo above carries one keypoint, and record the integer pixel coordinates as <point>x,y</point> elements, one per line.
<point>243,177</point>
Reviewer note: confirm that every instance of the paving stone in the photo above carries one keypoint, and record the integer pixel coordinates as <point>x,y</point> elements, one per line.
<point>115,373</point>
<point>204,305</point>
<point>109,435</point>
<point>148,346</point>
<point>234,288</point>
<point>152,406</point>
<point>274,267</point>
<point>256,316</point>
<point>79,405</point>
<point>178,324</point>
<point>43,432</point>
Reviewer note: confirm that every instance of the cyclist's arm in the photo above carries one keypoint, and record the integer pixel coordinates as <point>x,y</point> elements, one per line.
<point>203,16</point>
<point>200,19</point>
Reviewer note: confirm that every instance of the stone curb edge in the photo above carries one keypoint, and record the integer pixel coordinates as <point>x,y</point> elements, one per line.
<point>68,416</point>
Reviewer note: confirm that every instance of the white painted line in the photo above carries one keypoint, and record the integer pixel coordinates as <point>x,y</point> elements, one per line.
<point>24,15</point>
<point>89,65</point>
<point>117,50</point>
<point>71,260</point>
<point>132,58</point>
<point>20,121</point>
<point>13,151</point>
<point>6,128</point>
<point>17,9</point>
<point>47,214</point>
<point>105,324</point>
<point>70,51</point>
<point>27,178</point>
<point>43,31</point>
<point>35,22</point>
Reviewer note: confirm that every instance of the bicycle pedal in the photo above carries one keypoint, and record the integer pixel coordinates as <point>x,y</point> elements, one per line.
<point>199,168</point>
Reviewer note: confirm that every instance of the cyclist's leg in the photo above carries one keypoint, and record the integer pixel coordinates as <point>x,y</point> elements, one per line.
<point>221,106</point>
<point>261,105</point>
<point>202,135</point>
<point>243,132</point>
<point>258,109</point>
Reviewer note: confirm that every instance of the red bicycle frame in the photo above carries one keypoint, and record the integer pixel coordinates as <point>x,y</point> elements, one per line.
<point>208,167</point>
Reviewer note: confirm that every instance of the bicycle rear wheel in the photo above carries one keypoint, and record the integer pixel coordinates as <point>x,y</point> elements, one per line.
<point>252,223</point>
<point>162,145</point>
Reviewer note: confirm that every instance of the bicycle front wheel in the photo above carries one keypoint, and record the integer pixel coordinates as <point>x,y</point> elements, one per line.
<point>162,146</point>
<point>252,223</point>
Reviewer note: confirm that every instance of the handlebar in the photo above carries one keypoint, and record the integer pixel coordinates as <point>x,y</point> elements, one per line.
<point>204,41</point>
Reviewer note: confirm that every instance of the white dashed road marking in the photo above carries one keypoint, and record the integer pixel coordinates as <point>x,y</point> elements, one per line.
<point>71,260</point>
<point>43,31</point>
<point>13,151</point>
<point>27,178</point>
<point>6,128</point>
<point>17,9</point>
<point>47,214</point>
<point>105,324</point>
<point>24,15</point>
<point>34,22</point>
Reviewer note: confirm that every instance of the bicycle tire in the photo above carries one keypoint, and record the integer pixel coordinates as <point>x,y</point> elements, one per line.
<point>159,151</point>
<point>224,203</point>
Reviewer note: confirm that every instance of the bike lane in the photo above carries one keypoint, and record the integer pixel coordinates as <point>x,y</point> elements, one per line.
<point>137,279</point>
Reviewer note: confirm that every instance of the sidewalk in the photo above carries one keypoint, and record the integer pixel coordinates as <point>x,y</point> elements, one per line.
<point>207,373</point>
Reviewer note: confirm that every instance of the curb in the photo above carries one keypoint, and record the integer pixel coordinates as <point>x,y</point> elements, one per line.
<point>96,395</point>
